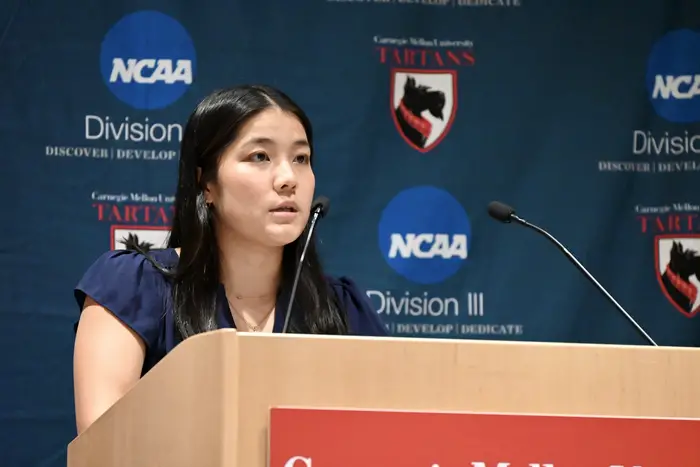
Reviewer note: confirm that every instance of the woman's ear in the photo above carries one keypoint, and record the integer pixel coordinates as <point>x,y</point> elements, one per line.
<point>205,187</point>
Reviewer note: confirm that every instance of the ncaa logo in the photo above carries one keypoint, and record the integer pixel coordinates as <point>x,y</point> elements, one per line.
<point>673,76</point>
<point>147,60</point>
<point>424,234</point>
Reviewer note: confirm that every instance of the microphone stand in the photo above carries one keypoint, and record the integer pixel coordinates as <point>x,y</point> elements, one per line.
<point>585,272</point>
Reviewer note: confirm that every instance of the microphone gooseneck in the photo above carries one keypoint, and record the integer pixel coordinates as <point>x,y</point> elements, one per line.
<point>506,214</point>
<point>319,208</point>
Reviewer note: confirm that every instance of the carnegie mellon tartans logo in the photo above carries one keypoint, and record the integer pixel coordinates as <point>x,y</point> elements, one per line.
<point>675,229</point>
<point>423,85</point>
<point>146,216</point>
<point>678,270</point>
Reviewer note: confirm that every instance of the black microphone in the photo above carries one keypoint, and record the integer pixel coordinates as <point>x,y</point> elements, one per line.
<point>506,214</point>
<point>319,208</point>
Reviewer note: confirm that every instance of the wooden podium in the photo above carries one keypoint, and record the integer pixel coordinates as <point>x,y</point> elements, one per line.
<point>208,402</point>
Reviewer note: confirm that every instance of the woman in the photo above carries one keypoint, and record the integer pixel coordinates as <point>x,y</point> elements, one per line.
<point>242,207</point>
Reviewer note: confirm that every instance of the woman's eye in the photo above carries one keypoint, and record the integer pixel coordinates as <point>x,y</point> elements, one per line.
<point>302,159</point>
<point>258,157</point>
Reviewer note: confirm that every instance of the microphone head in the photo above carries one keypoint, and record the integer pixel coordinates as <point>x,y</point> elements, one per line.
<point>500,212</point>
<point>323,204</point>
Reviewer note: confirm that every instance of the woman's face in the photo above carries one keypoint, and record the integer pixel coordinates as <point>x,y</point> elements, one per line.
<point>265,185</point>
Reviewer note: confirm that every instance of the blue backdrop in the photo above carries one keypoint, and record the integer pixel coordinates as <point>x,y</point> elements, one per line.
<point>582,114</point>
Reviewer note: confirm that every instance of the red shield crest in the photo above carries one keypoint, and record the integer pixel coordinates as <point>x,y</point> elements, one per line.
<point>677,260</point>
<point>151,236</point>
<point>423,105</point>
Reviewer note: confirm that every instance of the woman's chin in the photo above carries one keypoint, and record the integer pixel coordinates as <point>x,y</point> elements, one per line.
<point>281,235</point>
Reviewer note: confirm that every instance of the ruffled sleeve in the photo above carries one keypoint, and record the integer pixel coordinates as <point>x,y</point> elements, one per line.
<point>363,318</point>
<point>130,287</point>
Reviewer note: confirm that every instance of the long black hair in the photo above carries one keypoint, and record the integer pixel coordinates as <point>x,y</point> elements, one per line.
<point>212,126</point>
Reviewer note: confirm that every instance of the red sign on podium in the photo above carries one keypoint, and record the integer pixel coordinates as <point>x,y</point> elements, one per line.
<point>372,438</point>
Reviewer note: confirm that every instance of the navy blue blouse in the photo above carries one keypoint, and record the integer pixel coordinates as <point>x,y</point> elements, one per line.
<point>129,286</point>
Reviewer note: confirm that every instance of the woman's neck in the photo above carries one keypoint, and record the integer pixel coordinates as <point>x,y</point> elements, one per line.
<point>250,272</point>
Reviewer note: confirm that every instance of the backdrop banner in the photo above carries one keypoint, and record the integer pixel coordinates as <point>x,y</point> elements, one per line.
<point>583,115</point>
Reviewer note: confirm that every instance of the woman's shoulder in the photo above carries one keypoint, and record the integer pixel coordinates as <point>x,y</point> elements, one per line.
<point>363,318</point>
<point>128,268</point>
<point>131,285</point>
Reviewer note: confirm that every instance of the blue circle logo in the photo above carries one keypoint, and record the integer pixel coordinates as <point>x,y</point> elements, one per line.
<point>148,60</point>
<point>424,234</point>
<point>673,76</point>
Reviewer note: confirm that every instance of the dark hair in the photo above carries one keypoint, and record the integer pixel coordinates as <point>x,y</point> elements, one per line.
<point>213,125</point>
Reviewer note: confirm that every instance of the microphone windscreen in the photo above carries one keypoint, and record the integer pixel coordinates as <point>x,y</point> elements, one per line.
<point>500,211</point>
<point>322,202</point>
